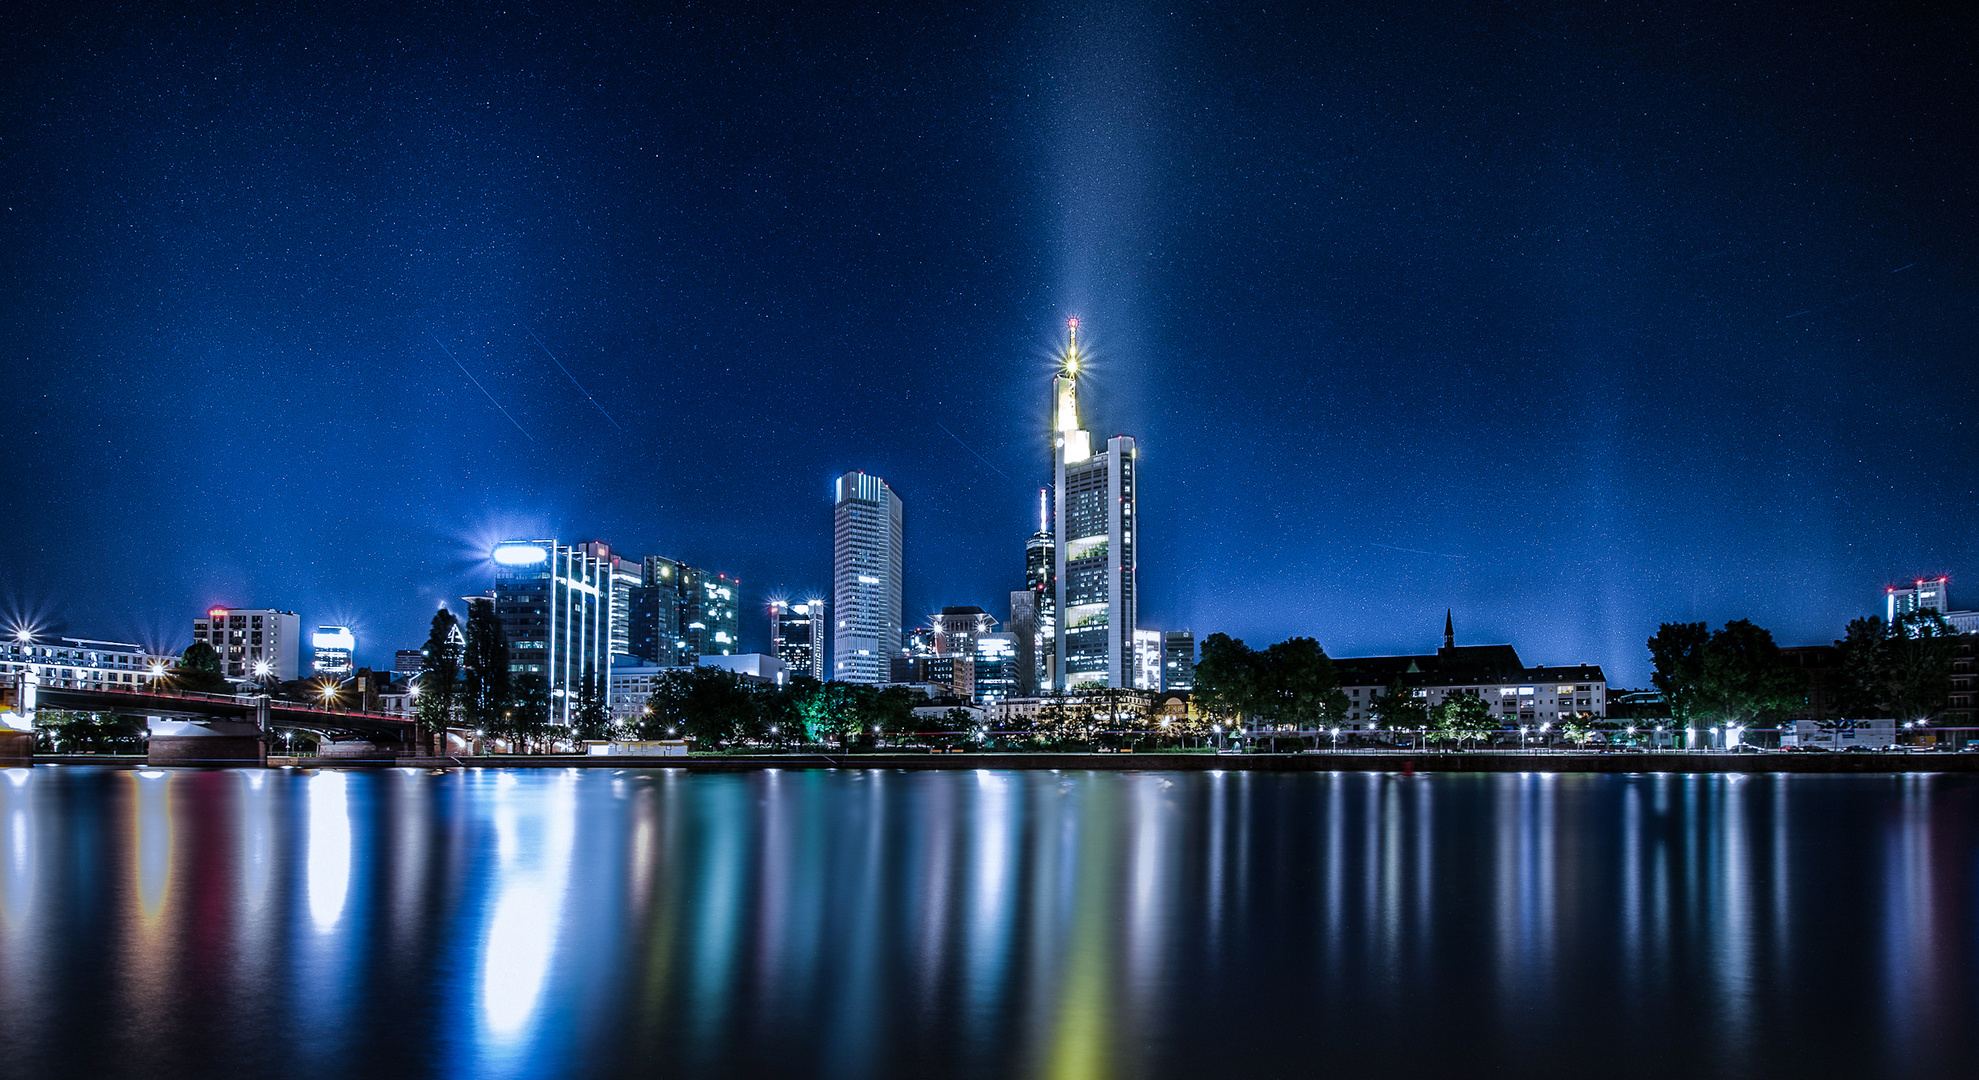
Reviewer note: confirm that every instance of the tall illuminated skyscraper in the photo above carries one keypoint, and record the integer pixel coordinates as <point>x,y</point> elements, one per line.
<point>1096,533</point>
<point>554,601</point>
<point>865,578</point>
<point>1040,579</point>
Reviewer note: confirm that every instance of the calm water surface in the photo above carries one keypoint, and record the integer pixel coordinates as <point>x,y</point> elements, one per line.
<point>984,924</point>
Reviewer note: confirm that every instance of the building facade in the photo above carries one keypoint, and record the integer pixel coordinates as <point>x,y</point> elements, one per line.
<point>82,663</point>
<point>333,645</point>
<point>247,638</point>
<point>1178,665</point>
<point>867,542</point>
<point>1041,580</point>
<point>796,637</point>
<point>1518,695</point>
<point>1097,532</point>
<point>1148,658</point>
<point>554,602</point>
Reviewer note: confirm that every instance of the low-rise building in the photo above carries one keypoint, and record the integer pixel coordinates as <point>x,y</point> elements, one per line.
<point>1518,695</point>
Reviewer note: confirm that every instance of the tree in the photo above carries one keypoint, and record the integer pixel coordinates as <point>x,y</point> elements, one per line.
<point>1678,653</point>
<point>1901,670</point>
<point>1398,708</point>
<point>592,718</point>
<point>199,670</point>
<point>1464,715</point>
<point>65,732</point>
<point>708,706</point>
<point>439,679</point>
<point>1296,685</point>
<point>487,690</point>
<point>1732,676</point>
<point>1227,678</point>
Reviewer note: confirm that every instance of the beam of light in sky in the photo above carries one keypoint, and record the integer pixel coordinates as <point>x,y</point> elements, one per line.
<point>477,384</point>
<point>573,380</point>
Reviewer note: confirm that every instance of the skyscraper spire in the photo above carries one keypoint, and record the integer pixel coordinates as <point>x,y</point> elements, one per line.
<point>1065,389</point>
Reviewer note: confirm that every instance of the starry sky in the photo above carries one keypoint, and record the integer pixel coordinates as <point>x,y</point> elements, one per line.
<point>1573,318</point>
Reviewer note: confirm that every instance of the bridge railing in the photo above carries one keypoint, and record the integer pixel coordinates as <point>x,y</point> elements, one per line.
<point>245,700</point>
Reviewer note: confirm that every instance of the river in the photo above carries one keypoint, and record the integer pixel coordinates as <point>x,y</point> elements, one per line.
<point>851,923</point>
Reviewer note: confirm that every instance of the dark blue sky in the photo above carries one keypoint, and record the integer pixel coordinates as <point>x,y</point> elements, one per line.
<point>1574,318</point>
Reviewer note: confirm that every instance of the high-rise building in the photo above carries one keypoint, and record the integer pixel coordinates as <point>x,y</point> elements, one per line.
<point>866,593</point>
<point>1147,659</point>
<point>1096,550</point>
<point>554,601</point>
<point>1924,594</point>
<point>1041,578</point>
<point>709,619</point>
<point>1178,667</point>
<point>249,638</point>
<point>622,575</point>
<point>1024,638</point>
<point>795,636</point>
<point>996,669</point>
<point>653,614</point>
<point>333,645</point>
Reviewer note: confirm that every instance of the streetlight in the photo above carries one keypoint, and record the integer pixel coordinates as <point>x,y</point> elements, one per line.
<point>1336,740</point>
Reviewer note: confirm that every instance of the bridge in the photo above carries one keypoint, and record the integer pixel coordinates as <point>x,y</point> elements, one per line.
<point>189,728</point>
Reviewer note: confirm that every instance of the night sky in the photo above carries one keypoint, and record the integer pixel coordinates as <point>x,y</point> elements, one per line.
<point>1573,318</point>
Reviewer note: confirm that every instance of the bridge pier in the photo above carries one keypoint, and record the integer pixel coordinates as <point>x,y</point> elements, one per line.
<point>211,742</point>
<point>16,747</point>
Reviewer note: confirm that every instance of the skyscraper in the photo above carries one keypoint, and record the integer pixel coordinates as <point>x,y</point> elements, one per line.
<point>1094,556</point>
<point>554,602</point>
<point>1041,578</point>
<point>866,551</point>
<point>1178,671</point>
<point>708,614</point>
<point>796,638</point>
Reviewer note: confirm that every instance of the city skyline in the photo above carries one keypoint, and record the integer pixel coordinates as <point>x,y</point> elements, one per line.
<point>1575,326</point>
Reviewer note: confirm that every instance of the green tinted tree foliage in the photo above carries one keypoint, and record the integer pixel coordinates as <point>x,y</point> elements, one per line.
<point>486,689</point>
<point>1463,715</point>
<point>63,732</point>
<point>439,680</point>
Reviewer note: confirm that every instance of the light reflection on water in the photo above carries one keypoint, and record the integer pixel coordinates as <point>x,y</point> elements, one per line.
<point>983,923</point>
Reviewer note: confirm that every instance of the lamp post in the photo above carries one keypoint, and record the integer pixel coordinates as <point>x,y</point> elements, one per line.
<point>1336,740</point>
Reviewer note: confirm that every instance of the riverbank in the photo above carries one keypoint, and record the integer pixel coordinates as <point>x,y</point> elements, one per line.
<point>1488,762</point>
<point>1539,761</point>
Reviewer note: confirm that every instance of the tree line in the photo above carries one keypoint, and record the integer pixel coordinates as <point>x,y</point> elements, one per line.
<point>1899,670</point>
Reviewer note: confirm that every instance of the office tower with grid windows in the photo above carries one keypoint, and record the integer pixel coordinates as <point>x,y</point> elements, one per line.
<point>1097,540</point>
<point>866,583</point>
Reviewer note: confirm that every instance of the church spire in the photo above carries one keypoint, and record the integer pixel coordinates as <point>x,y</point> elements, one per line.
<point>1449,631</point>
